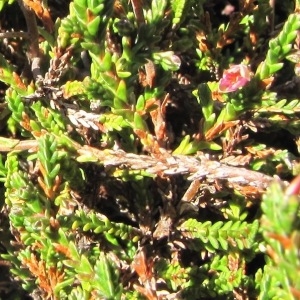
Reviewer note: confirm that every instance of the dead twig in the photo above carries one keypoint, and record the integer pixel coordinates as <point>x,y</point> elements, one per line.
<point>195,167</point>
<point>13,34</point>
<point>248,182</point>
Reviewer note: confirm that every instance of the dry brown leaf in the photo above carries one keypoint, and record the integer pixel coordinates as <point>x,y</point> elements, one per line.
<point>218,129</point>
<point>41,12</point>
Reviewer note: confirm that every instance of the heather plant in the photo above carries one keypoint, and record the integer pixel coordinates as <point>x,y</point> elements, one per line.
<point>147,149</point>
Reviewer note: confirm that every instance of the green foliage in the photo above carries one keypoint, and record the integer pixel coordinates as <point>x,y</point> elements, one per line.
<point>222,236</point>
<point>280,228</point>
<point>98,125</point>
<point>101,225</point>
<point>4,2</point>
<point>280,47</point>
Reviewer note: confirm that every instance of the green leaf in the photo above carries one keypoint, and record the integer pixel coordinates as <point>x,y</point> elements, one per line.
<point>118,103</point>
<point>105,279</point>
<point>35,126</point>
<point>85,266</point>
<point>111,239</point>
<point>9,143</point>
<point>98,229</point>
<point>216,226</point>
<point>178,7</point>
<point>291,36</point>
<point>96,9</point>
<point>123,74</point>
<point>168,60</point>
<point>73,251</point>
<point>104,64</point>
<point>183,144</point>
<point>286,48</point>
<point>3,2</point>
<point>86,158</point>
<point>228,113</point>
<point>91,47</point>
<point>54,172</point>
<point>87,226</point>
<point>263,70</point>
<point>80,12</point>
<point>122,91</point>
<point>140,104</point>
<point>223,242</point>
<point>139,122</point>
<point>205,100</point>
<point>275,67</point>
<point>63,284</point>
<point>93,26</point>
<point>213,241</point>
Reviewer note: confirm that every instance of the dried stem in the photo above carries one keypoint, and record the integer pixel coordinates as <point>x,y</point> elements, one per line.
<point>12,34</point>
<point>33,35</point>
<point>271,15</point>
<point>249,183</point>
<point>138,11</point>
<point>246,181</point>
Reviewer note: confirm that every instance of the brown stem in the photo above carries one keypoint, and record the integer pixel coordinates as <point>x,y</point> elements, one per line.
<point>33,35</point>
<point>138,11</point>
<point>272,14</point>
<point>250,183</point>
<point>12,34</point>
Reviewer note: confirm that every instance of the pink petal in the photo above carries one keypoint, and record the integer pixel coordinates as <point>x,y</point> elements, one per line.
<point>234,78</point>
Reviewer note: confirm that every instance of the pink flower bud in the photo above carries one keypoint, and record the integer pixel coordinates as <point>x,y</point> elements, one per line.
<point>234,78</point>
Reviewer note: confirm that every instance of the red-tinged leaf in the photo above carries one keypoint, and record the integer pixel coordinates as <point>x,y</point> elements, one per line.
<point>143,266</point>
<point>119,9</point>
<point>294,187</point>
<point>295,292</point>
<point>147,78</point>
<point>93,25</point>
<point>18,81</point>
<point>76,35</point>
<point>261,153</point>
<point>47,278</point>
<point>25,123</point>
<point>149,142</point>
<point>251,192</point>
<point>218,129</point>
<point>59,248</point>
<point>41,12</point>
<point>151,104</point>
<point>160,129</point>
<point>90,15</point>
<point>286,242</point>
